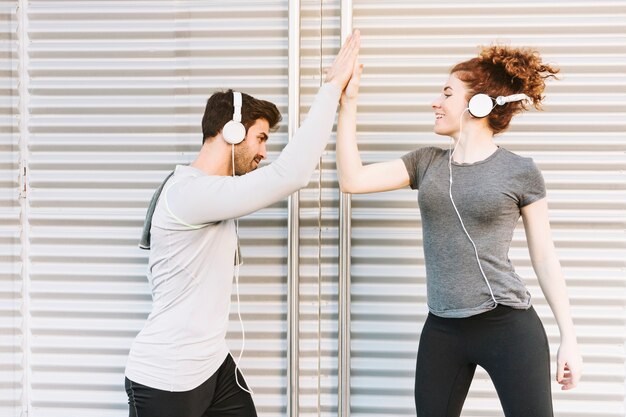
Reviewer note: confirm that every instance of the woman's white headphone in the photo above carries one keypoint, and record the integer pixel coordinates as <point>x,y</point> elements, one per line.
<point>234,131</point>
<point>480,105</point>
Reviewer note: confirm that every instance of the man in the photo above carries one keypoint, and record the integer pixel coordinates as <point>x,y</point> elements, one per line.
<point>179,364</point>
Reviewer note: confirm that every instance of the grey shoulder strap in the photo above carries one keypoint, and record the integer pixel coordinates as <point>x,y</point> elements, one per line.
<point>144,243</point>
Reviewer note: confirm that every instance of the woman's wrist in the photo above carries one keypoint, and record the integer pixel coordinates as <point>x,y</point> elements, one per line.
<point>347,101</point>
<point>568,336</point>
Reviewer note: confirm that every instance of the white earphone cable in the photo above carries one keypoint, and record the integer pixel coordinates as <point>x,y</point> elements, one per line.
<point>238,262</point>
<point>452,150</point>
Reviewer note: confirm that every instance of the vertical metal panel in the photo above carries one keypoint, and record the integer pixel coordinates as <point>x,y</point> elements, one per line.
<point>118,92</point>
<point>319,228</point>
<point>578,142</point>
<point>293,259</point>
<point>344,282</point>
<point>11,319</point>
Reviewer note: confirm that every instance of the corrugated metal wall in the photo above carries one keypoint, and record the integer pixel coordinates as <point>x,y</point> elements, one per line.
<point>318,228</point>
<point>112,98</point>
<point>579,142</point>
<point>11,298</point>
<point>117,95</point>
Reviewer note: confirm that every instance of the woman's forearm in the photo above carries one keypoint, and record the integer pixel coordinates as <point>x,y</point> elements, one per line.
<point>348,159</point>
<point>552,283</point>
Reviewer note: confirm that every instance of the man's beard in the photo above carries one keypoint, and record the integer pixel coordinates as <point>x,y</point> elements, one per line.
<point>243,164</point>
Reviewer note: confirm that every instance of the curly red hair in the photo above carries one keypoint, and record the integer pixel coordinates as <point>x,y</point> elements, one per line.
<point>501,71</point>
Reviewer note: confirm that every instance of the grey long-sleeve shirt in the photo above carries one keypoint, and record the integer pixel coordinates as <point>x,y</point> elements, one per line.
<point>192,250</point>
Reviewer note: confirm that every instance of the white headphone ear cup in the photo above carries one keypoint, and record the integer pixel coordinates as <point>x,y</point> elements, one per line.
<point>234,132</point>
<point>480,105</point>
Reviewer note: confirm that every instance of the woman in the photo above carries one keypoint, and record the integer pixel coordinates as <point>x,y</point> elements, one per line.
<point>470,199</point>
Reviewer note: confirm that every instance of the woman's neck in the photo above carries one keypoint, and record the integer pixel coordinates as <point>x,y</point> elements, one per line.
<point>474,145</point>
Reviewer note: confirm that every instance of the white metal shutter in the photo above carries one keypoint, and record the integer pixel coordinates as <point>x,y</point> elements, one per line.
<point>578,142</point>
<point>118,90</point>
<point>318,227</point>
<point>116,93</point>
<point>11,300</point>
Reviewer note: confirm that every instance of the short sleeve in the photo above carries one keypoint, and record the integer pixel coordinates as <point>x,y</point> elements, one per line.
<point>411,160</point>
<point>534,186</point>
<point>417,163</point>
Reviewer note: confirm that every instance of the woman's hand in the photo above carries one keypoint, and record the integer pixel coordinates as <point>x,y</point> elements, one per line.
<point>352,89</point>
<point>569,365</point>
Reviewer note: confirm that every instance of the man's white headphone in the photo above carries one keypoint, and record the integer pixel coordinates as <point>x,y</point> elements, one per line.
<point>234,131</point>
<point>481,105</point>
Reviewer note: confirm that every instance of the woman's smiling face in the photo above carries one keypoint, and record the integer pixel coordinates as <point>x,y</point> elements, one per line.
<point>449,107</point>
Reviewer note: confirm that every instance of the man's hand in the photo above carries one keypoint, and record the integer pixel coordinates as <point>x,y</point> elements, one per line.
<point>344,63</point>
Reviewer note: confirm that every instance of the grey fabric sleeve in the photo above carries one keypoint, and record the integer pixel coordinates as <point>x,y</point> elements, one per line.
<point>410,162</point>
<point>534,185</point>
<point>206,199</point>
<point>417,162</point>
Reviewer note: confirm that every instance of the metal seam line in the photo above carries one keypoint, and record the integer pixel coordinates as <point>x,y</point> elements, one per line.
<point>22,34</point>
<point>319,235</point>
<point>345,208</point>
<point>293,223</point>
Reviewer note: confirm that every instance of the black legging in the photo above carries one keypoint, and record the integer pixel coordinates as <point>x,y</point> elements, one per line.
<point>219,396</point>
<point>511,345</point>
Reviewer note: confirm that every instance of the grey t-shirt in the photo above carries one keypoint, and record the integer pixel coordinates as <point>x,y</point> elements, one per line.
<point>489,195</point>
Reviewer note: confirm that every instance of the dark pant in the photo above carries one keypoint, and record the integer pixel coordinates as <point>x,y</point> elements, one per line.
<point>216,397</point>
<point>511,345</point>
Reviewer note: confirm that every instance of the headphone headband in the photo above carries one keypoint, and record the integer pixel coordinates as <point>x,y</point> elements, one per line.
<point>234,132</point>
<point>237,100</point>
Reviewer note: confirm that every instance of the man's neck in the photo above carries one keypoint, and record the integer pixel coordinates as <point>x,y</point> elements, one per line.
<point>214,158</point>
